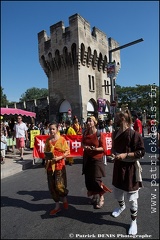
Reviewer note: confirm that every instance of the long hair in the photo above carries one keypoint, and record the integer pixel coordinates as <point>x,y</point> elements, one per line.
<point>127,116</point>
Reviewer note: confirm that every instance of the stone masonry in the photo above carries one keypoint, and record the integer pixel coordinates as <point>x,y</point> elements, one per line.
<point>75,61</point>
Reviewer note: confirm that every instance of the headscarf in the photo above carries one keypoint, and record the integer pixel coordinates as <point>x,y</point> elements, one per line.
<point>94,119</point>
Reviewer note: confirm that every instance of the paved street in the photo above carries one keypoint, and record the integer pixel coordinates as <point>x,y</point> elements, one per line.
<point>26,203</point>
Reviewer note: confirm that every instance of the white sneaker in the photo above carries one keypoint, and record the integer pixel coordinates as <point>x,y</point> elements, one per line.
<point>118,211</point>
<point>133,228</point>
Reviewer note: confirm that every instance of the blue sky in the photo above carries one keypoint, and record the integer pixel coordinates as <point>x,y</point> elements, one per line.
<point>124,21</point>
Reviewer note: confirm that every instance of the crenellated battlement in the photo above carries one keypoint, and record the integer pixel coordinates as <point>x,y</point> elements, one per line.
<point>42,36</point>
<point>77,26</point>
<point>75,60</point>
<point>57,27</point>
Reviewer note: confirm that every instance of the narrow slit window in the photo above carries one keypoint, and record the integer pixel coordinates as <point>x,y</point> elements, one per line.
<point>93,88</point>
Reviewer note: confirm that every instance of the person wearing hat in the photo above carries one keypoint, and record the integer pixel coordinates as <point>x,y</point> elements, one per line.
<point>93,165</point>
<point>69,131</point>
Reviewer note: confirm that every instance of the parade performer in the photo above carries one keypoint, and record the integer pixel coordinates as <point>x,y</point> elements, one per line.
<point>127,149</point>
<point>93,164</point>
<point>55,167</point>
<point>69,131</point>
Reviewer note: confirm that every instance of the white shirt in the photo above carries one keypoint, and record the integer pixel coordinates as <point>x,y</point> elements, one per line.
<point>4,139</point>
<point>20,130</point>
<point>110,128</point>
<point>103,130</point>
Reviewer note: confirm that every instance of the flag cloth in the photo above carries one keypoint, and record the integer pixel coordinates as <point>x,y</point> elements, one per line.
<point>107,143</point>
<point>74,142</point>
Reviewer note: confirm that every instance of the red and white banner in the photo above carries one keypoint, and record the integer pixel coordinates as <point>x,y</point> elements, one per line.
<point>74,142</point>
<point>107,139</point>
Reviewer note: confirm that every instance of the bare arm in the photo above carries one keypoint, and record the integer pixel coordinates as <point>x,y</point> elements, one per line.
<point>3,141</point>
<point>26,133</point>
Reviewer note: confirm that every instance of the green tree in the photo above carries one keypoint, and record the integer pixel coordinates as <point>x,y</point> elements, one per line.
<point>4,100</point>
<point>34,93</point>
<point>139,98</point>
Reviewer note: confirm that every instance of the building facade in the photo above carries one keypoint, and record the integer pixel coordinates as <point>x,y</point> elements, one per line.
<point>75,60</point>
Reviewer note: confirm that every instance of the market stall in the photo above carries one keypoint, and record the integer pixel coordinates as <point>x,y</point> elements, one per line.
<point>8,114</point>
<point>16,111</point>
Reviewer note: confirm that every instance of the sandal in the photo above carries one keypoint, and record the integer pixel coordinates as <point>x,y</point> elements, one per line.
<point>65,205</point>
<point>94,200</point>
<point>54,211</point>
<point>100,204</point>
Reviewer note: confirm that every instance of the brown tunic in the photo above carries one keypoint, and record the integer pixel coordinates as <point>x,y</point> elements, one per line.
<point>124,173</point>
<point>93,165</point>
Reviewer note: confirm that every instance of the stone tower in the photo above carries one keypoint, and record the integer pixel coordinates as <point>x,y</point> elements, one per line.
<point>75,61</point>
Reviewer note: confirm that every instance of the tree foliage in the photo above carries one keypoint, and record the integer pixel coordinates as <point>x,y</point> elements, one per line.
<point>4,100</point>
<point>139,98</point>
<point>34,93</point>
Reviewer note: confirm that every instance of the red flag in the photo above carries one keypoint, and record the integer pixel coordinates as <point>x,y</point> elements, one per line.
<point>74,142</point>
<point>107,143</point>
<point>39,143</point>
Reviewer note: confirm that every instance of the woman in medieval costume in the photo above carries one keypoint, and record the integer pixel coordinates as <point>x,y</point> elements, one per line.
<point>127,149</point>
<point>93,164</point>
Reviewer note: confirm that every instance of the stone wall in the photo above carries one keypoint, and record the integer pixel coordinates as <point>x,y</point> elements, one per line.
<point>69,57</point>
<point>39,106</point>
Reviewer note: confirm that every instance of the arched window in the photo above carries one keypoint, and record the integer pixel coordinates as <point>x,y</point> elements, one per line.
<point>73,51</point>
<point>90,106</point>
<point>82,52</point>
<point>88,55</point>
<point>99,62</point>
<point>50,55</point>
<point>65,54</point>
<point>57,58</point>
<point>45,65</point>
<point>65,105</point>
<point>94,58</point>
<point>104,63</point>
<point>50,60</point>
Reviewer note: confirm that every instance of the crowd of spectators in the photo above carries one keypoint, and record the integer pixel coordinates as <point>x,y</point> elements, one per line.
<point>105,125</point>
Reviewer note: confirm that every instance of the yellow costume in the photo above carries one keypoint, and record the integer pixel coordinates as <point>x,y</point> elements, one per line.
<point>56,171</point>
<point>70,131</point>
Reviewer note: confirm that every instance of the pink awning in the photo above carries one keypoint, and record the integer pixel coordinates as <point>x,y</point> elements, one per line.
<point>17,111</point>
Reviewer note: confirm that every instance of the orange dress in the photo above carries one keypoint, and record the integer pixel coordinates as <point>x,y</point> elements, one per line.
<point>56,171</point>
<point>58,148</point>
